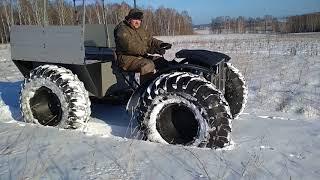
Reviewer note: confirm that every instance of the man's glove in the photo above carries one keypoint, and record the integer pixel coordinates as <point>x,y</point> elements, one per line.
<point>161,51</point>
<point>165,46</point>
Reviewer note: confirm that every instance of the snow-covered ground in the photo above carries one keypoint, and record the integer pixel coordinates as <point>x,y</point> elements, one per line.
<point>277,136</point>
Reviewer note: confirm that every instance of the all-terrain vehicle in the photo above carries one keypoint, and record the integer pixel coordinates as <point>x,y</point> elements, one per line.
<point>190,102</point>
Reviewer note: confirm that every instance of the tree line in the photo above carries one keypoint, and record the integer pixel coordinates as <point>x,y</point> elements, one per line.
<point>266,24</point>
<point>304,23</point>
<point>160,21</point>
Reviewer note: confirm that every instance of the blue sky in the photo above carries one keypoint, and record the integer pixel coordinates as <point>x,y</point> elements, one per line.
<point>202,11</point>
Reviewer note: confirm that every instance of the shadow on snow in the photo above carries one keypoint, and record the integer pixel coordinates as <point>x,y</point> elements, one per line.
<point>117,118</point>
<point>9,92</point>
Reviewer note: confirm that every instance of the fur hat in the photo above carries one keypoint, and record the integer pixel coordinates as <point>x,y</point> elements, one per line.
<point>134,14</point>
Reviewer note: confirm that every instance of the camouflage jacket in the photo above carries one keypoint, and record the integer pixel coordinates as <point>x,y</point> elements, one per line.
<point>133,43</point>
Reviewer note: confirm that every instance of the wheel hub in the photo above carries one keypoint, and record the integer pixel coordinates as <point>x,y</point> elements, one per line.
<point>46,107</point>
<point>177,124</point>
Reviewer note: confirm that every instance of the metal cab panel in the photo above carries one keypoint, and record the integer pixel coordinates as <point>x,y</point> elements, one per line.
<point>99,35</point>
<point>54,44</point>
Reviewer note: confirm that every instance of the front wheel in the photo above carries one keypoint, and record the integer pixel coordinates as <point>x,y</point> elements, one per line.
<point>184,108</point>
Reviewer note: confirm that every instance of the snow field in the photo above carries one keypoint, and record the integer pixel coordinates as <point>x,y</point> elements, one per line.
<point>281,71</point>
<point>276,137</point>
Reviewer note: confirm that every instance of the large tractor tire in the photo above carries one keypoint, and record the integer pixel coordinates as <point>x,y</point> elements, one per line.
<point>236,92</point>
<point>184,108</point>
<point>54,96</point>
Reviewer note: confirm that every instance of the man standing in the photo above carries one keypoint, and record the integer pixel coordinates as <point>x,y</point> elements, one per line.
<point>133,44</point>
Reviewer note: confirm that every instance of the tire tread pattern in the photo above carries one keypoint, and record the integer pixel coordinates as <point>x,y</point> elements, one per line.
<point>73,90</point>
<point>236,91</point>
<point>202,93</point>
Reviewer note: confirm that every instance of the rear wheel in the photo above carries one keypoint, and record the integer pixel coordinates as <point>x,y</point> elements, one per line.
<point>54,96</point>
<point>236,92</point>
<point>184,108</point>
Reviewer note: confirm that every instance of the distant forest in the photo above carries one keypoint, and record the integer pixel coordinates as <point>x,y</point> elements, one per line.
<point>161,21</point>
<point>266,24</point>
